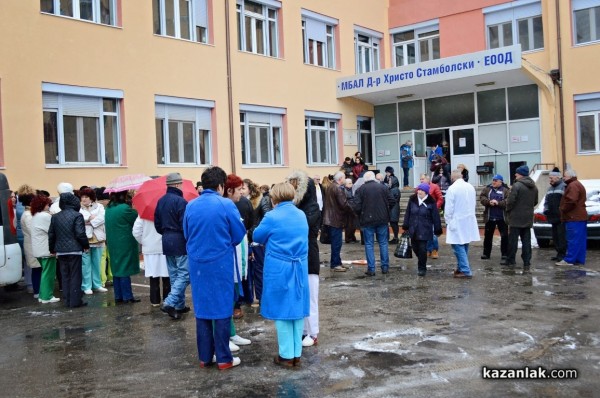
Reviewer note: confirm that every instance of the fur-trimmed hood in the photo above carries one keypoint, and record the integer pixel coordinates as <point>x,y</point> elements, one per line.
<point>302,186</point>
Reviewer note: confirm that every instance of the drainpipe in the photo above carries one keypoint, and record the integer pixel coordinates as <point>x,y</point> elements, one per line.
<point>557,79</point>
<point>229,87</point>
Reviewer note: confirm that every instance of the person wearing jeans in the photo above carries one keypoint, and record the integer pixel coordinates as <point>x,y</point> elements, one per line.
<point>335,211</point>
<point>373,202</point>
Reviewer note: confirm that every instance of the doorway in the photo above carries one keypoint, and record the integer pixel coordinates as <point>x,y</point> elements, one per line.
<point>462,150</point>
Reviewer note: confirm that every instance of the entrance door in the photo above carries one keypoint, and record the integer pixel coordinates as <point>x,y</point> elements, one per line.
<point>462,150</point>
<point>419,157</point>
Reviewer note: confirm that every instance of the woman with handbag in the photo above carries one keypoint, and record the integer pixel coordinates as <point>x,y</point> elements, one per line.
<point>422,221</point>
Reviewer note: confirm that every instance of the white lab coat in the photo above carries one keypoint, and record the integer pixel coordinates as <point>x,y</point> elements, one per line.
<point>459,212</point>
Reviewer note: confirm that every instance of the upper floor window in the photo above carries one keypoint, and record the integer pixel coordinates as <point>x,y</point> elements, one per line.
<point>515,22</point>
<point>588,123</point>
<point>81,125</point>
<point>98,11</point>
<point>366,49</point>
<point>262,135</point>
<point>183,128</point>
<point>257,26</point>
<point>182,19</point>
<point>416,44</point>
<point>318,38</point>
<point>586,21</point>
<point>321,137</point>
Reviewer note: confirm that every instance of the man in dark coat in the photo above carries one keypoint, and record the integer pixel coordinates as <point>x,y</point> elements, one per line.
<point>519,211</point>
<point>335,209</point>
<point>168,220</point>
<point>372,203</point>
<point>493,198</point>
<point>574,214</point>
<point>391,181</point>
<point>67,238</point>
<point>552,212</point>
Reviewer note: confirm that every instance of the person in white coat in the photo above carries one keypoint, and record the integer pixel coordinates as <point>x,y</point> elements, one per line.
<point>461,222</point>
<point>155,262</point>
<point>93,216</point>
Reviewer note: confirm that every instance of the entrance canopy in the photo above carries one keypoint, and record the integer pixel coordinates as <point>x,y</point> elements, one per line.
<point>500,67</point>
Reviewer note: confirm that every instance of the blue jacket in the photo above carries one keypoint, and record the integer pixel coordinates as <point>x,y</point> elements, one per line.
<point>406,156</point>
<point>422,221</point>
<point>213,228</point>
<point>168,221</point>
<point>284,232</point>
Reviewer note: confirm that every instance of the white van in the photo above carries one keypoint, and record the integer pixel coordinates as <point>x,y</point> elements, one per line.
<point>10,251</point>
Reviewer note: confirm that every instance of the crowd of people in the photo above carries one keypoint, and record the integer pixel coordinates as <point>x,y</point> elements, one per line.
<point>238,243</point>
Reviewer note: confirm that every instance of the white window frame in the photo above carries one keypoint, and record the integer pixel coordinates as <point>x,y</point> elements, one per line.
<point>197,11</point>
<point>96,14</point>
<point>257,117</point>
<point>331,123</point>
<point>367,52</point>
<point>590,6</point>
<point>422,32</point>
<point>269,43</point>
<point>54,96</point>
<point>588,105</point>
<point>199,114</point>
<point>508,16</point>
<point>311,45</point>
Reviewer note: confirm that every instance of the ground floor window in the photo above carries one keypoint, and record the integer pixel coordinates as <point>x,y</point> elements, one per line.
<point>588,123</point>
<point>183,131</point>
<point>262,135</point>
<point>81,129</point>
<point>321,139</point>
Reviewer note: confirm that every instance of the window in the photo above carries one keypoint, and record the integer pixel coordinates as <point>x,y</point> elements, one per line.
<point>81,125</point>
<point>262,135</point>
<point>586,21</point>
<point>257,27</point>
<point>321,138</point>
<point>98,11</point>
<point>588,123</point>
<point>417,44</point>
<point>366,49</point>
<point>183,128</point>
<point>318,37</point>
<point>519,22</point>
<point>182,19</point>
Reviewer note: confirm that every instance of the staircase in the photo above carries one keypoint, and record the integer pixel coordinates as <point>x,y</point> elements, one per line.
<point>405,195</point>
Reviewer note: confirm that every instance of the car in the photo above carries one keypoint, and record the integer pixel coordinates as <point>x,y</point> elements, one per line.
<point>543,230</point>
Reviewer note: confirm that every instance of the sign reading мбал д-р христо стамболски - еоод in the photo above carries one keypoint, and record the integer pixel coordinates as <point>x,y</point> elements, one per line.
<point>472,64</point>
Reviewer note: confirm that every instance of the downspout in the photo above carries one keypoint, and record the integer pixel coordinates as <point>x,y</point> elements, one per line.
<point>559,82</point>
<point>229,87</point>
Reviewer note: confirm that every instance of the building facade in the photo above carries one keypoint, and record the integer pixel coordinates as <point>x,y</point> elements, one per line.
<point>94,89</point>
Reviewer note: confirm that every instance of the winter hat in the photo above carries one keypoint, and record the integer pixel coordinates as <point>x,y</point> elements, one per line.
<point>424,187</point>
<point>64,187</point>
<point>523,170</point>
<point>174,178</point>
<point>498,177</point>
<point>389,169</point>
<point>555,172</point>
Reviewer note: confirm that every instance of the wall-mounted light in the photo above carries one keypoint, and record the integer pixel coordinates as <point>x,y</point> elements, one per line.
<point>404,96</point>
<point>485,84</point>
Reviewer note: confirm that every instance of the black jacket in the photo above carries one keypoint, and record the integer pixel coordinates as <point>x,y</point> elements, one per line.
<point>168,221</point>
<point>67,228</point>
<point>372,202</point>
<point>422,222</point>
<point>244,206</point>
<point>552,202</point>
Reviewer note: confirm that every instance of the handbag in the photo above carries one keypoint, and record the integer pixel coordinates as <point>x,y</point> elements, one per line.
<point>404,248</point>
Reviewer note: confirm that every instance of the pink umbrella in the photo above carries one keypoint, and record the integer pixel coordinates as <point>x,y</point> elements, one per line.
<point>126,182</point>
<point>150,192</point>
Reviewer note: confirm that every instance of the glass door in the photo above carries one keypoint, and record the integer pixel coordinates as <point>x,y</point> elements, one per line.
<point>419,156</point>
<point>462,151</point>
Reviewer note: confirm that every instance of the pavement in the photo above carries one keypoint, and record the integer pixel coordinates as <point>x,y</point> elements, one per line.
<point>394,335</point>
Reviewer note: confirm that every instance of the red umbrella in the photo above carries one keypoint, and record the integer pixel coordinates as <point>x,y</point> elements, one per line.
<point>150,192</point>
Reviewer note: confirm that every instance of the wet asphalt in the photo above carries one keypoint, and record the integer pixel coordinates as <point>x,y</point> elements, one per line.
<point>391,335</point>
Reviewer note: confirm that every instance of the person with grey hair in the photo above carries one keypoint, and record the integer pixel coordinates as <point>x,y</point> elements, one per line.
<point>552,212</point>
<point>461,222</point>
<point>373,203</point>
<point>574,215</point>
<point>520,204</point>
<point>406,161</point>
<point>335,210</point>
